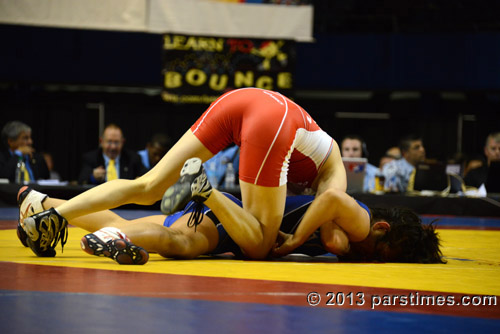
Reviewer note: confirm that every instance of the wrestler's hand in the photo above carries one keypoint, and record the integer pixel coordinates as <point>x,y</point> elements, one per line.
<point>285,244</point>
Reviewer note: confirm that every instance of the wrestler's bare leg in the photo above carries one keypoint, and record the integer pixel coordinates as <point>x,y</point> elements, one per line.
<point>144,190</point>
<point>176,241</point>
<point>256,227</point>
<point>261,217</point>
<point>90,222</point>
<point>256,230</point>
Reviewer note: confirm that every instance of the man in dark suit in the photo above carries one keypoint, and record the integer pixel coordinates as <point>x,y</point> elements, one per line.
<point>111,161</point>
<point>16,136</point>
<point>478,176</point>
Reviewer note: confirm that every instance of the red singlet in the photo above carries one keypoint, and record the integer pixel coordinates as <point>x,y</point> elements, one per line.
<point>279,142</point>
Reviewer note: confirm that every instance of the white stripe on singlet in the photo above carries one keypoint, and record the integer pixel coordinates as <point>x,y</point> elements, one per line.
<point>274,140</point>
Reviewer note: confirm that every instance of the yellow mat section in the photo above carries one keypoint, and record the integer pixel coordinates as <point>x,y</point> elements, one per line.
<point>473,265</point>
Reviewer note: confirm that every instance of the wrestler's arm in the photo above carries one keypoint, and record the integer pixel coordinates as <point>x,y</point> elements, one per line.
<point>336,213</point>
<point>332,174</point>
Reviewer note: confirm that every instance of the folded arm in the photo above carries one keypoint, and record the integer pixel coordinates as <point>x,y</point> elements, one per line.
<point>338,215</point>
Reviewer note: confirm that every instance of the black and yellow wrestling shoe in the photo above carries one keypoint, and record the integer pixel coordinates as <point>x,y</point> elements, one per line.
<point>29,202</point>
<point>44,230</point>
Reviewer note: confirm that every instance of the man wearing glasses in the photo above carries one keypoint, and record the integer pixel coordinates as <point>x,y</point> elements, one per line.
<point>110,161</point>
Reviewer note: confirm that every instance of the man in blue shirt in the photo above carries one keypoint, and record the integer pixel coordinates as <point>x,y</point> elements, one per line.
<point>397,172</point>
<point>155,149</point>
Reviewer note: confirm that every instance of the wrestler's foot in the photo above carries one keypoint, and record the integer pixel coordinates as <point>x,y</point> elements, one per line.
<point>44,231</point>
<point>192,185</point>
<point>112,243</point>
<point>29,202</point>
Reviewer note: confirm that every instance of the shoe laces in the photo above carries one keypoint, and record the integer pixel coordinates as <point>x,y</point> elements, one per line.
<point>196,216</point>
<point>62,235</point>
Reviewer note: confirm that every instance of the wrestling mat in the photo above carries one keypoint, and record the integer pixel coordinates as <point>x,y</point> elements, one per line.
<point>76,293</point>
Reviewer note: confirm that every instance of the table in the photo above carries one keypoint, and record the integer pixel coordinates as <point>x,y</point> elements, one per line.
<point>432,205</point>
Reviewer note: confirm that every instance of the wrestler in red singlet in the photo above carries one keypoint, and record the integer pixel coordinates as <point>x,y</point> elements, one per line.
<point>278,140</point>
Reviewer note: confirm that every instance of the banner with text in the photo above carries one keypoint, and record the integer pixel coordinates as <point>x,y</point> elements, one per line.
<point>199,69</point>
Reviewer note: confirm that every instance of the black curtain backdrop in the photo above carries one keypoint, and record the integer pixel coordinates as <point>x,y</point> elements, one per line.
<point>34,60</point>
<point>64,125</point>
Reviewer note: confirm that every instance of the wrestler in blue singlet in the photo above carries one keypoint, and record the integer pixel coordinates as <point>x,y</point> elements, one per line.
<point>295,208</point>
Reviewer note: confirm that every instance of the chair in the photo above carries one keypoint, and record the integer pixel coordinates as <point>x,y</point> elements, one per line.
<point>493,180</point>
<point>429,178</point>
<point>457,184</point>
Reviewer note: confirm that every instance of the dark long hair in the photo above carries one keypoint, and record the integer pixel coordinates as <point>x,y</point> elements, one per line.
<point>408,240</point>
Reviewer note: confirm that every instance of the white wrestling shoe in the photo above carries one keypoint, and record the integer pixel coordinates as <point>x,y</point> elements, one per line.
<point>29,202</point>
<point>113,243</point>
<point>193,185</point>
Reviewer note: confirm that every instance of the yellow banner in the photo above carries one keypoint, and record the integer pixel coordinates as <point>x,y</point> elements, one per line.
<point>198,69</point>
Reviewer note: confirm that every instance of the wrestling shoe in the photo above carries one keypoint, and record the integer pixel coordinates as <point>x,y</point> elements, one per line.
<point>192,185</point>
<point>44,231</point>
<point>29,202</point>
<point>112,243</point>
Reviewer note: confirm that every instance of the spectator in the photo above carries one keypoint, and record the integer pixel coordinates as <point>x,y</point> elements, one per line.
<point>353,146</point>
<point>16,137</point>
<point>478,176</point>
<point>394,152</point>
<point>397,172</point>
<point>385,159</point>
<point>110,161</point>
<point>155,149</point>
